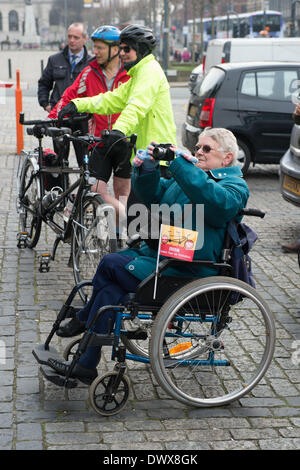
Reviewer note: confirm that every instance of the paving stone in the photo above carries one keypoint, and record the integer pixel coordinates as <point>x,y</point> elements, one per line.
<point>36,415</point>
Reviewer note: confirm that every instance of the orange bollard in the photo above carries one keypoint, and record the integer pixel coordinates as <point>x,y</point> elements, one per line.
<point>19,106</point>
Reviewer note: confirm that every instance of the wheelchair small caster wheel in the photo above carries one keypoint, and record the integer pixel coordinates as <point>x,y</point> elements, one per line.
<point>71,349</point>
<point>107,396</point>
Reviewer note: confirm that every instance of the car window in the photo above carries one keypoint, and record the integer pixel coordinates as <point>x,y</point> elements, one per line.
<point>249,84</point>
<point>269,84</point>
<point>210,82</point>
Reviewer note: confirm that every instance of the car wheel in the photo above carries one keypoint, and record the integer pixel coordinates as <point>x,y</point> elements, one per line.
<point>244,156</point>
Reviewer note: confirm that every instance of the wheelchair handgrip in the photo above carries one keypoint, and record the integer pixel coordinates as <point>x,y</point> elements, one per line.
<point>253,212</point>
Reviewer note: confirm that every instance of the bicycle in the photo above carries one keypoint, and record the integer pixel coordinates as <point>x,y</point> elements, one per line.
<point>183,240</point>
<point>89,228</point>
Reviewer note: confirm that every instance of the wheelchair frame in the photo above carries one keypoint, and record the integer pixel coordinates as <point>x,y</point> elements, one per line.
<point>177,345</point>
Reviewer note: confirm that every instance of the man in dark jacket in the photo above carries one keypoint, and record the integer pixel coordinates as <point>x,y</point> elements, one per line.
<point>62,68</point>
<point>61,71</point>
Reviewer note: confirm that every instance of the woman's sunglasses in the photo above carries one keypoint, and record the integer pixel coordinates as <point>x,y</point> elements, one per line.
<point>125,49</point>
<point>205,148</point>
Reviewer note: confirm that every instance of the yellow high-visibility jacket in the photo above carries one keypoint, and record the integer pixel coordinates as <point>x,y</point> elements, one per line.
<point>144,103</point>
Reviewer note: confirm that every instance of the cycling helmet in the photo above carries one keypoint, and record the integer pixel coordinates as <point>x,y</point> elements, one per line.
<point>139,38</point>
<point>139,35</point>
<point>108,34</point>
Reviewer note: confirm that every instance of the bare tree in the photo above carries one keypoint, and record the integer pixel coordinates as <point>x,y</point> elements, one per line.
<point>66,12</point>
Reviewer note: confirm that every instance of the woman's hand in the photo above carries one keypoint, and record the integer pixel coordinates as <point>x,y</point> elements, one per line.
<point>141,156</point>
<point>181,153</point>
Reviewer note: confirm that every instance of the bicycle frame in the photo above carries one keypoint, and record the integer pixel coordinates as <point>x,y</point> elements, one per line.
<point>82,183</point>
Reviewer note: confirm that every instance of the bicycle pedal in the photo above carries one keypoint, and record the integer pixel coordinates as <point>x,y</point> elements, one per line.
<point>44,262</point>
<point>22,238</point>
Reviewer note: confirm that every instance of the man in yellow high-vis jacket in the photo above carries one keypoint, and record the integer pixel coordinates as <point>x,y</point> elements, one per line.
<point>144,101</point>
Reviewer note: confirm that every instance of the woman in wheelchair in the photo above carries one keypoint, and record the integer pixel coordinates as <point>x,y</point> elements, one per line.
<point>213,181</point>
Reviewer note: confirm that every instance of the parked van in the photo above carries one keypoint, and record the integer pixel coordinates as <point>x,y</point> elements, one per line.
<point>251,50</point>
<point>246,50</point>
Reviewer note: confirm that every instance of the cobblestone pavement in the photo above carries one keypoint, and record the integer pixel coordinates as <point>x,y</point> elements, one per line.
<point>35,414</point>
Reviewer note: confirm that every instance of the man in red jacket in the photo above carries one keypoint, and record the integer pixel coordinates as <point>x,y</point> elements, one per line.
<point>104,73</point>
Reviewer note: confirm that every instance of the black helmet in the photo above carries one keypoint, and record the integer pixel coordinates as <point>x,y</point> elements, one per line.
<point>139,35</point>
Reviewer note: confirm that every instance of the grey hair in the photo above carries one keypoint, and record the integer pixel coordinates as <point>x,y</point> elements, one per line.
<point>79,25</point>
<point>225,139</point>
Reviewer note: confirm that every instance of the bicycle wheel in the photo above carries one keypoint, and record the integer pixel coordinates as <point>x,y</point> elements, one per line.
<point>29,200</point>
<point>91,240</point>
<point>205,351</point>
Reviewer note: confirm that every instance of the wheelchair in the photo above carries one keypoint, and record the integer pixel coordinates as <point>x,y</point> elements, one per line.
<point>208,341</point>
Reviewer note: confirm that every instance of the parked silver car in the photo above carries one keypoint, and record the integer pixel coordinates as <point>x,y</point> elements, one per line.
<point>290,169</point>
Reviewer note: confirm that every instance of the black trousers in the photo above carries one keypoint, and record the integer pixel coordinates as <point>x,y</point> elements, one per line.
<point>62,147</point>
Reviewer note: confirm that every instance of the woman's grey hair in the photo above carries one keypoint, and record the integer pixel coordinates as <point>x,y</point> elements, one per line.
<point>225,139</point>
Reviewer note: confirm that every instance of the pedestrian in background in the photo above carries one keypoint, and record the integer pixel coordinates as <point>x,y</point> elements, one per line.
<point>61,71</point>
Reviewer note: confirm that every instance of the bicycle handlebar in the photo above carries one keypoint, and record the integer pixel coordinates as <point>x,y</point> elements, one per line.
<point>91,139</point>
<point>49,122</point>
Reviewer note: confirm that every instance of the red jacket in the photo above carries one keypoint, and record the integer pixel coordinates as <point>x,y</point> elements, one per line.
<point>91,82</point>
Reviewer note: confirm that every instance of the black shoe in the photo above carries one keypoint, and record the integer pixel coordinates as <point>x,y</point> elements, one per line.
<point>87,376</point>
<point>73,328</point>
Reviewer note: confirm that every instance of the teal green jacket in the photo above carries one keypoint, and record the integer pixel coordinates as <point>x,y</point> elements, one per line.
<point>221,192</point>
<point>144,103</point>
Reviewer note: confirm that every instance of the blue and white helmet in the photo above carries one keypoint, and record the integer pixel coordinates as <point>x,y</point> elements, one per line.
<point>108,34</point>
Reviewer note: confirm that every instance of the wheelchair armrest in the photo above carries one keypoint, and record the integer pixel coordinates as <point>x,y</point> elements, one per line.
<point>166,263</point>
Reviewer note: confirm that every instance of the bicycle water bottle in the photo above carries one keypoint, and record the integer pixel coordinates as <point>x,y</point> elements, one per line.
<point>69,206</point>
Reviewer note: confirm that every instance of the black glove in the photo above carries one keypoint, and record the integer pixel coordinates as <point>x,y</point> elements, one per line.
<point>70,109</point>
<point>115,142</point>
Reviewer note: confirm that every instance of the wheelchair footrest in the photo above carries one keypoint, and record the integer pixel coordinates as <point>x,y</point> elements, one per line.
<point>42,355</point>
<point>57,379</point>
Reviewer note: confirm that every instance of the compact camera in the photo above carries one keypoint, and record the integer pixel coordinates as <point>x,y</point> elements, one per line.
<point>163,152</point>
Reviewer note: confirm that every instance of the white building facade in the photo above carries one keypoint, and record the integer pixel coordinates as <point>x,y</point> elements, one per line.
<point>12,20</point>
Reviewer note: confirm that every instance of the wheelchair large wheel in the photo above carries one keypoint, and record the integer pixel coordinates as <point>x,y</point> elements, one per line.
<point>90,240</point>
<point>206,350</point>
<point>28,204</point>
